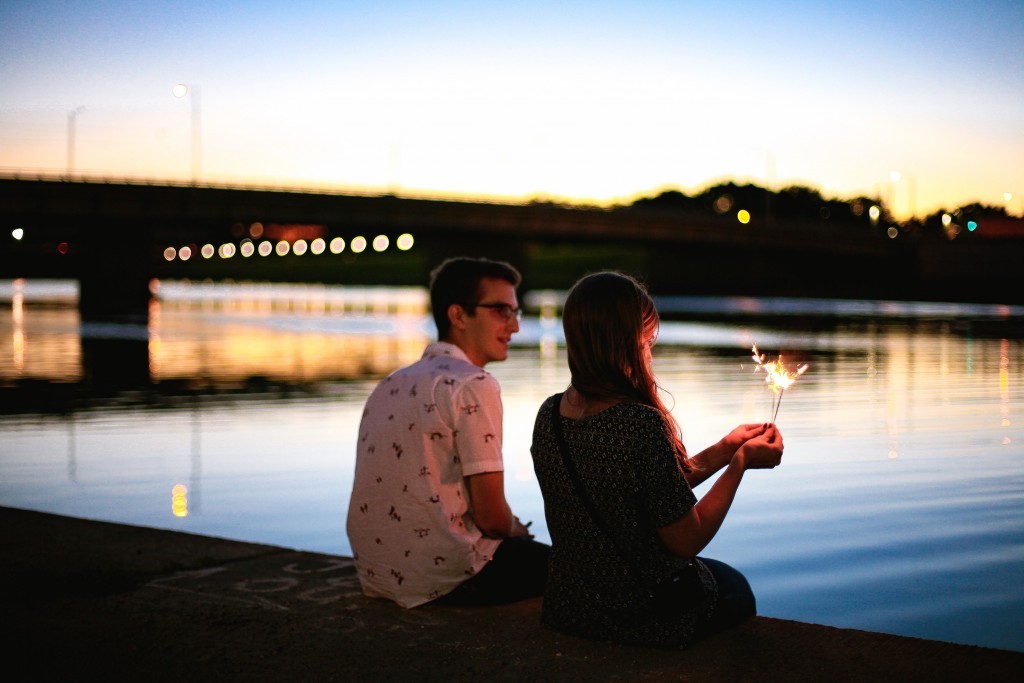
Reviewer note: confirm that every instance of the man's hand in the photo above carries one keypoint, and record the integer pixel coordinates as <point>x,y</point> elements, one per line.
<point>490,509</point>
<point>520,529</point>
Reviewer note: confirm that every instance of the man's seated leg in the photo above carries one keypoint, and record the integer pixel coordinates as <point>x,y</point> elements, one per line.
<point>518,571</point>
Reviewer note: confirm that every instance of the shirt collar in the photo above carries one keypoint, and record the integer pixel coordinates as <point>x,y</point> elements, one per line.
<point>442,348</point>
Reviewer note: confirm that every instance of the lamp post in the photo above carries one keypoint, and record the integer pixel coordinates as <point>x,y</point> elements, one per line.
<point>181,90</point>
<point>72,116</point>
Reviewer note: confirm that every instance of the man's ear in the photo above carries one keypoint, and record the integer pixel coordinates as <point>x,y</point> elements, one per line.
<point>456,316</point>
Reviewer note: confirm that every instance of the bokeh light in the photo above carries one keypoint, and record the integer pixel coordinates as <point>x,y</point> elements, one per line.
<point>337,245</point>
<point>380,243</point>
<point>179,500</point>
<point>404,242</point>
<point>358,244</point>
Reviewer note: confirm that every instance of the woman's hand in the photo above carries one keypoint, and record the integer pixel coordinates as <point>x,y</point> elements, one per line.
<point>724,451</point>
<point>763,451</point>
<point>688,535</point>
<point>740,435</point>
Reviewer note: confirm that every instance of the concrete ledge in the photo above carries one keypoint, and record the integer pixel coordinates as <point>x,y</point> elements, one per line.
<point>90,598</point>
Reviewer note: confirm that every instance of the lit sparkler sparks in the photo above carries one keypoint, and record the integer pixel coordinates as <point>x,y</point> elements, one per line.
<point>777,377</point>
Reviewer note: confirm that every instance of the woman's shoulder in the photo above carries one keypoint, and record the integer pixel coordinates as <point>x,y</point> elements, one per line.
<point>635,411</point>
<point>624,417</point>
<point>546,405</point>
<point>621,412</point>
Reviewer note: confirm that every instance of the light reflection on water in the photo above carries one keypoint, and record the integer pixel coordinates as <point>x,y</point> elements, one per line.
<point>897,509</point>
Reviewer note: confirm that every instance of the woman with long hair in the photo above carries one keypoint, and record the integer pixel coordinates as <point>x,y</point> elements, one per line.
<point>617,483</point>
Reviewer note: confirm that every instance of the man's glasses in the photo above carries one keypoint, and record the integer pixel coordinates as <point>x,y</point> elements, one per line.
<point>504,311</point>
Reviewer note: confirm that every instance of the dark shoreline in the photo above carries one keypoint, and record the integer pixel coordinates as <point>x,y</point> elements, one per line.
<point>131,603</point>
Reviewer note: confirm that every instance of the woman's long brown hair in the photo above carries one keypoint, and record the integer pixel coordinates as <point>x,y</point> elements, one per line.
<point>608,317</point>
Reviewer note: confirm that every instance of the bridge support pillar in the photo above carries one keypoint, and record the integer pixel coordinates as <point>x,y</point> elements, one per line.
<point>113,301</point>
<point>114,271</point>
<point>114,298</point>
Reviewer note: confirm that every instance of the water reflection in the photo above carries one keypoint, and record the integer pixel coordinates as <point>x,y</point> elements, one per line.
<point>72,451</point>
<point>211,337</point>
<point>179,500</point>
<point>231,347</point>
<point>204,339</point>
<point>195,479</point>
<point>900,374</point>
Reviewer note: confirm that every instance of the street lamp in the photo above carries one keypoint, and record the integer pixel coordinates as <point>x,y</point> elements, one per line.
<point>181,90</point>
<point>72,116</point>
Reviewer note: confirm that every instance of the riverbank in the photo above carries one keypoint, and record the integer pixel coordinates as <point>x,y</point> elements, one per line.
<point>91,598</point>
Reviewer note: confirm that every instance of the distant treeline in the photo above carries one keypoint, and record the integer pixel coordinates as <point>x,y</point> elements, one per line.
<point>805,205</point>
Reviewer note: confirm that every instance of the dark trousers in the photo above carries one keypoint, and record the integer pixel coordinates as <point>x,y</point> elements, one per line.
<point>736,602</point>
<point>518,571</point>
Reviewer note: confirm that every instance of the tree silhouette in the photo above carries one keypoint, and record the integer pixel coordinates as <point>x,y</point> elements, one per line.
<point>806,206</point>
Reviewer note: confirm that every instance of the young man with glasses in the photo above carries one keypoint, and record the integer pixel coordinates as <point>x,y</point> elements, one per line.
<point>428,520</point>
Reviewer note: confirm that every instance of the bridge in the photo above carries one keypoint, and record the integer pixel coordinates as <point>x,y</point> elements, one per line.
<point>115,237</point>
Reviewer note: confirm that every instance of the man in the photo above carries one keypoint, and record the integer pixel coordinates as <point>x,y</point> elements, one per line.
<point>428,520</point>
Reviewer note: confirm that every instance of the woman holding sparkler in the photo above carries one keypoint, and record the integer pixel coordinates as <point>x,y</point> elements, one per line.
<point>616,480</point>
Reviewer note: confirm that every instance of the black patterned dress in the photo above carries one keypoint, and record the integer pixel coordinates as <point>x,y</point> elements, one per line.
<point>626,463</point>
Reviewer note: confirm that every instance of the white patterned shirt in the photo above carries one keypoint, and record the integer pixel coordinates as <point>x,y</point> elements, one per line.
<point>425,428</point>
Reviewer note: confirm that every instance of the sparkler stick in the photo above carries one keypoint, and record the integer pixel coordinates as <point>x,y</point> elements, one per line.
<point>776,376</point>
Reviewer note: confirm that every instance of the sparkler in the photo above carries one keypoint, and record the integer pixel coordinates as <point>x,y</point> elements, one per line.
<point>777,377</point>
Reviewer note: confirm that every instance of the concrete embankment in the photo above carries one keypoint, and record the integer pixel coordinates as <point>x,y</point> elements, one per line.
<point>90,599</point>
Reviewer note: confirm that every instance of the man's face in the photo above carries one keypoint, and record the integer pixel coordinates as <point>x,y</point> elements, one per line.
<point>487,333</point>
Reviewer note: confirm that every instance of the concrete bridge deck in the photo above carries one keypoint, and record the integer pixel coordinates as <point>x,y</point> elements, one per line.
<point>112,238</point>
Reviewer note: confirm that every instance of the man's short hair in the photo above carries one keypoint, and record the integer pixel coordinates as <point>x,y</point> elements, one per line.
<point>457,281</point>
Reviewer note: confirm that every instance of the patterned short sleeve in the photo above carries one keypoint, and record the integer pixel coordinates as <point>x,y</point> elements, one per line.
<point>478,419</point>
<point>666,494</point>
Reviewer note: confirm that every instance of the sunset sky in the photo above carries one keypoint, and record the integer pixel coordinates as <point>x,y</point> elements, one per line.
<point>595,102</point>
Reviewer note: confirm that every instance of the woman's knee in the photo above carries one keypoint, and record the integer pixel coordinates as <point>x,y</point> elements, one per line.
<point>736,601</point>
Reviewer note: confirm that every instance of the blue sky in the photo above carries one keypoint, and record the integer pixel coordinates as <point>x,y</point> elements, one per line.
<point>586,101</point>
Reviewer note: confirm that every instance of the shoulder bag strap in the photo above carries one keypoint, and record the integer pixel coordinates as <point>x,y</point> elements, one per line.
<point>570,468</point>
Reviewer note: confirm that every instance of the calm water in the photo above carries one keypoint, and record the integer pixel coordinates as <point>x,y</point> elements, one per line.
<point>898,507</point>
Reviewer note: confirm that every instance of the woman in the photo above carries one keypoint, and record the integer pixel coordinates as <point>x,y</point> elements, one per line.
<point>617,486</point>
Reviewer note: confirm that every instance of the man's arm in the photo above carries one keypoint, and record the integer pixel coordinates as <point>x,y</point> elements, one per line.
<point>490,509</point>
